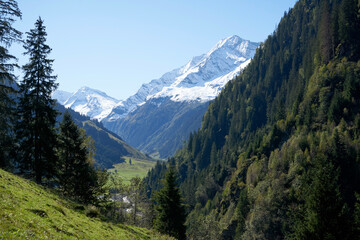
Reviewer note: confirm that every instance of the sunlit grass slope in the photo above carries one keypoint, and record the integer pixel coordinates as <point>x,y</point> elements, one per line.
<point>137,168</point>
<point>30,211</point>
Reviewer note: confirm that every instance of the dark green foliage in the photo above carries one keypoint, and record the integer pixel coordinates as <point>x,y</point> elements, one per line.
<point>36,127</point>
<point>9,12</point>
<point>287,131</point>
<point>77,175</point>
<point>135,197</point>
<point>324,207</point>
<point>170,216</point>
<point>110,148</point>
<point>242,211</point>
<point>156,173</point>
<point>349,25</point>
<point>326,200</point>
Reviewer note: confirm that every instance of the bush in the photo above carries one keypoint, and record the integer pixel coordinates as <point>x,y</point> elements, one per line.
<point>92,211</point>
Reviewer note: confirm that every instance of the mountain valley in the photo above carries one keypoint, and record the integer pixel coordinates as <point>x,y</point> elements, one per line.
<point>161,115</point>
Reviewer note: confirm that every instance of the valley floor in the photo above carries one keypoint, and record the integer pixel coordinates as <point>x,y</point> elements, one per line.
<point>137,168</point>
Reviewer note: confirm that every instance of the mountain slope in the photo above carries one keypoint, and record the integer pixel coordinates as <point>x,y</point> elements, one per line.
<point>162,114</point>
<point>30,211</point>
<point>160,125</point>
<point>110,148</point>
<point>277,156</point>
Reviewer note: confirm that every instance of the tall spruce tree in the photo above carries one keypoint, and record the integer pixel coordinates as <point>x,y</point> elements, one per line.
<point>171,216</point>
<point>9,12</point>
<point>77,176</point>
<point>36,126</point>
<point>324,215</point>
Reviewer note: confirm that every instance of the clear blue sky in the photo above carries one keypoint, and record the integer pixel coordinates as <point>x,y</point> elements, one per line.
<point>117,45</point>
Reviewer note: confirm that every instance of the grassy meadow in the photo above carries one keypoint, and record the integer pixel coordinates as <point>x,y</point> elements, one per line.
<point>138,167</point>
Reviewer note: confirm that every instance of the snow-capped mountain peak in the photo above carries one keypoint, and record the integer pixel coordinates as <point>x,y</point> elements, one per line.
<point>90,102</point>
<point>201,79</point>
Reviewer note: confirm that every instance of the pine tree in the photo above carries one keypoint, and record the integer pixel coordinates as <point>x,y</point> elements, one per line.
<point>9,12</point>
<point>135,197</point>
<point>324,213</point>
<point>325,33</point>
<point>170,217</point>
<point>36,127</point>
<point>77,176</point>
<point>349,25</point>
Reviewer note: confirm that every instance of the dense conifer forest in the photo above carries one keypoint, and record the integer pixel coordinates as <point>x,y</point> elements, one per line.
<point>278,154</point>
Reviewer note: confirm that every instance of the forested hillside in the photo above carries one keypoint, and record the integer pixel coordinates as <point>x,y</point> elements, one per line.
<point>110,148</point>
<point>278,153</point>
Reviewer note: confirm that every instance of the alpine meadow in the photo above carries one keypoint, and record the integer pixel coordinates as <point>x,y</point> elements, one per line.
<point>250,140</point>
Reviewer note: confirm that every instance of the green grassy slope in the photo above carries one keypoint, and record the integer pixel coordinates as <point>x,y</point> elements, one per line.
<point>138,167</point>
<point>30,211</point>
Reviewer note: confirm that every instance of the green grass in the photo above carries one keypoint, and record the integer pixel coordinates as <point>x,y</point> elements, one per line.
<point>30,211</point>
<point>138,168</point>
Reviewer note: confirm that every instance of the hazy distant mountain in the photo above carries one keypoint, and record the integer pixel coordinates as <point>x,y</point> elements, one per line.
<point>61,96</point>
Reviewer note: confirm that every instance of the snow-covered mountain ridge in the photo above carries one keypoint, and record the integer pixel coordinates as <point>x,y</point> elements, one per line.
<point>87,101</point>
<point>201,79</point>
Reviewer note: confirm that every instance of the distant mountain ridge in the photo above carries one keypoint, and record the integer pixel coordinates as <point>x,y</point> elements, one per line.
<point>194,84</point>
<point>87,101</point>
<point>162,114</point>
<point>201,79</point>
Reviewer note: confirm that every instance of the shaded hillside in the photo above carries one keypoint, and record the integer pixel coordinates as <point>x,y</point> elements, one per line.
<point>160,126</point>
<point>30,211</point>
<point>278,154</point>
<point>110,148</point>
